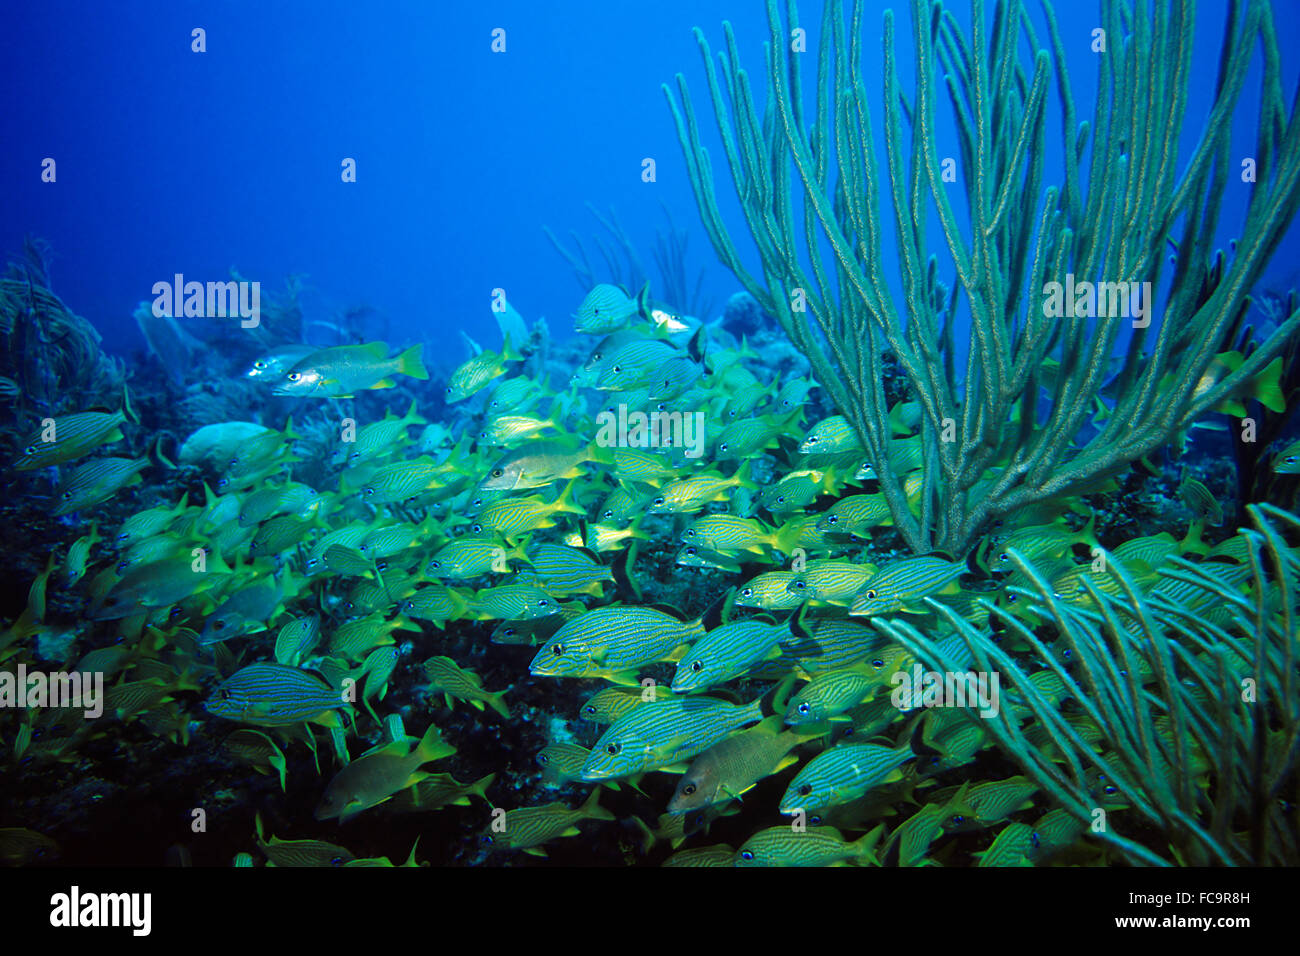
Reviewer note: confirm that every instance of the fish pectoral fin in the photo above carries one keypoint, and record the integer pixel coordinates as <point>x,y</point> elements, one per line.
<point>384,383</point>
<point>535,851</point>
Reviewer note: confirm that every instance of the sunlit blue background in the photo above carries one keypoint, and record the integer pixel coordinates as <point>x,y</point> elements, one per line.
<point>171,161</point>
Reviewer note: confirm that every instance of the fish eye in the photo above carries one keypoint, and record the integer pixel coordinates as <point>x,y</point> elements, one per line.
<point>259,364</point>
<point>877,663</point>
<point>542,603</point>
<point>557,650</point>
<point>780,500</point>
<point>218,625</point>
<point>747,854</point>
<point>337,861</point>
<point>294,376</point>
<point>613,749</point>
<point>67,496</point>
<point>805,790</point>
<point>508,632</point>
<point>722,447</point>
<point>746,592</point>
<point>958,818</point>
<point>607,513</point>
<point>1289,459</point>
<point>831,519</point>
<point>590,708</point>
<point>871,595</point>
<point>618,368</point>
<point>688,789</point>
<point>804,709</point>
<point>658,501</point>
<point>435,563</point>
<point>31,450</point>
<point>497,472</point>
<point>697,666</point>
<point>477,529</point>
<point>542,759</point>
<point>225,695</point>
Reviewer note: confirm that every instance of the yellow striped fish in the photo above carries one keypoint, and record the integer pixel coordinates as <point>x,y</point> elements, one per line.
<point>843,773</point>
<point>611,642</point>
<point>90,483</point>
<point>527,828</point>
<point>664,733</point>
<point>68,437</point>
<point>273,695</point>
<point>815,846</point>
<point>901,584</point>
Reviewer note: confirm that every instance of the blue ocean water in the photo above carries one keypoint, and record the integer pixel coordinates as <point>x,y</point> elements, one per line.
<point>173,161</point>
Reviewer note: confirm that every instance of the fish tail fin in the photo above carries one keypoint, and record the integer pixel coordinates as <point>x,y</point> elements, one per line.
<point>742,476</point>
<point>643,301</point>
<point>431,746</point>
<point>479,787</point>
<point>777,701</point>
<point>566,503</point>
<point>1194,541</point>
<point>162,458</point>
<point>459,604</point>
<point>1088,535</point>
<point>508,353</point>
<point>622,571</point>
<point>127,410</point>
<point>520,551</point>
<point>410,860</point>
<point>865,847</point>
<point>413,416</point>
<point>647,835</point>
<point>289,434</point>
<point>497,702</point>
<point>411,363</point>
<point>591,808</point>
<point>1267,389</point>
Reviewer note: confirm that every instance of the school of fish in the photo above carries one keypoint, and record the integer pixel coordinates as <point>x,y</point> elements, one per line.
<point>272,616</point>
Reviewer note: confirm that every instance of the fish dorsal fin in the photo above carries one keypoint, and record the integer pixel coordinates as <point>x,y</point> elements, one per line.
<point>670,611</point>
